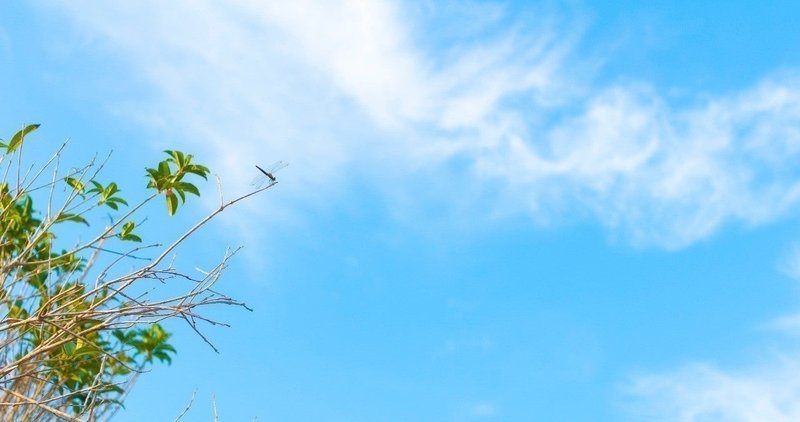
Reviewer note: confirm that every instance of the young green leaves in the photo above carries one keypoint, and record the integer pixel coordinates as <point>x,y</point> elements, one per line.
<point>168,178</point>
<point>18,137</point>
<point>107,195</point>
<point>74,337</point>
<point>126,233</point>
<point>150,342</point>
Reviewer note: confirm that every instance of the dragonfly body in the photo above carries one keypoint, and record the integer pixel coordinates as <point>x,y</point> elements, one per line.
<point>271,177</point>
<point>268,174</point>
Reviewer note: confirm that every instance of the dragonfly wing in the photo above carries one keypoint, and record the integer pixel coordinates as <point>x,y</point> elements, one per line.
<point>267,174</point>
<point>276,166</point>
<point>259,180</point>
<point>264,174</point>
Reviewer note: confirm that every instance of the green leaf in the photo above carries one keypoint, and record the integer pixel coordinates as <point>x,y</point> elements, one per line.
<point>168,348</point>
<point>74,183</point>
<point>128,227</point>
<point>163,357</point>
<point>18,137</point>
<point>97,187</point>
<point>108,198</point>
<point>131,237</point>
<point>85,350</point>
<point>126,234</point>
<point>199,170</point>
<point>153,173</point>
<point>172,203</point>
<point>120,335</point>
<point>69,348</point>
<point>177,157</point>
<point>111,190</point>
<point>188,187</point>
<point>163,169</point>
<point>71,217</point>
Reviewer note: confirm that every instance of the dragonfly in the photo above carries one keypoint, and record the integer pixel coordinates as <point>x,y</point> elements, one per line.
<point>267,174</point>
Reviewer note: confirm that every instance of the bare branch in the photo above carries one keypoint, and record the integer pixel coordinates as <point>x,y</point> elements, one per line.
<point>188,406</point>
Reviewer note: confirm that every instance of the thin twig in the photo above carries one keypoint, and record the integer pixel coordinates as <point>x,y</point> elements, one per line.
<point>214,407</point>
<point>188,406</point>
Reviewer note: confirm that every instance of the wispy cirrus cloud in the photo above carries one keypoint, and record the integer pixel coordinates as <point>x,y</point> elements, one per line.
<point>766,391</point>
<point>663,174</point>
<point>353,88</point>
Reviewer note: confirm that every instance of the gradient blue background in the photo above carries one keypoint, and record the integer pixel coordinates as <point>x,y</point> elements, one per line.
<point>361,314</point>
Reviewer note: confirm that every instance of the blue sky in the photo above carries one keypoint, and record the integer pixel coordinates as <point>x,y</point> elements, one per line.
<point>493,211</point>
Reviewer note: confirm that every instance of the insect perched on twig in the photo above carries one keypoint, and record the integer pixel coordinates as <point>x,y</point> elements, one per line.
<point>268,174</point>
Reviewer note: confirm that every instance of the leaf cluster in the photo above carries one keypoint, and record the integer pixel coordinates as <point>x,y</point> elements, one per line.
<point>168,176</point>
<point>73,340</point>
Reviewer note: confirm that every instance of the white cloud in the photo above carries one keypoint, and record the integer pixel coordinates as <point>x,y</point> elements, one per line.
<point>787,324</point>
<point>790,263</point>
<point>767,389</point>
<point>767,392</point>
<point>367,88</point>
<point>663,175</point>
<point>479,410</point>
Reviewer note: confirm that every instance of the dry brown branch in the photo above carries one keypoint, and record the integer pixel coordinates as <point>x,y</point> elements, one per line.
<point>65,346</point>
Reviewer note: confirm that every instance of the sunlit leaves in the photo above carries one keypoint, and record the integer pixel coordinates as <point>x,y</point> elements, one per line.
<point>172,202</point>
<point>150,342</point>
<point>126,232</point>
<point>107,195</point>
<point>67,262</point>
<point>184,164</point>
<point>168,176</point>
<point>84,357</point>
<point>18,138</point>
<point>75,184</point>
<point>71,217</point>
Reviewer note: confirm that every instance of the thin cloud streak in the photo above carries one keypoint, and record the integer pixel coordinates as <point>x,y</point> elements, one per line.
<point>349,88</point>
<point>663,175</point>
<point>700,392</point>
<point>765,390</point>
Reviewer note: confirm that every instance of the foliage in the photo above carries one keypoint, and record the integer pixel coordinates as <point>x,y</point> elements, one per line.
<point>164,180</point>
<point>75,329</point>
